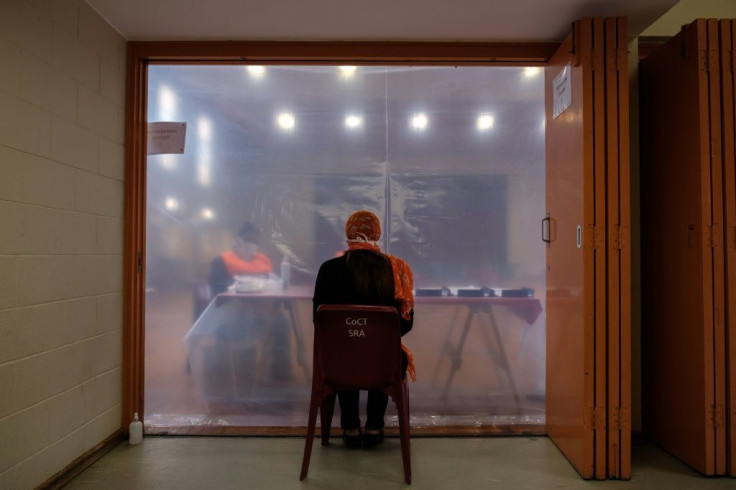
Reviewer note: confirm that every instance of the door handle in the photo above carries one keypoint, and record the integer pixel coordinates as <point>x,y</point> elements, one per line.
<point>545,230</point>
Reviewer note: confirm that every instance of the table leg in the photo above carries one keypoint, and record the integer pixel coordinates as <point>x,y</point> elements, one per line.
<point>300,352</point>
<point>457,355</point>
<point>504,359</point>
<point>446,346</point>
<point>261,357</point>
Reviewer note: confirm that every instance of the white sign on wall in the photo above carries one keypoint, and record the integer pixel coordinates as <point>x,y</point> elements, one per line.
<point>562,90</point>
<point>166,137</point>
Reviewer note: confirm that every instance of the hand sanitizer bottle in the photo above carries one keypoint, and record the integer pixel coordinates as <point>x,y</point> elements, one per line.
<point>285,272</point>
<point>135,430</point>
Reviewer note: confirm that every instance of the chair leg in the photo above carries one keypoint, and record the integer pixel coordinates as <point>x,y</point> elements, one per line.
<point>402,405</point>
<point>326,410</point>
<point>313,406</point>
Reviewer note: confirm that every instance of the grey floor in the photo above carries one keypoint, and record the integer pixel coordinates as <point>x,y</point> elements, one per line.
<point>437,463</point>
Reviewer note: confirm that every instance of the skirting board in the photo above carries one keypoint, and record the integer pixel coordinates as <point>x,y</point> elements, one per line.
<point>84,461</point>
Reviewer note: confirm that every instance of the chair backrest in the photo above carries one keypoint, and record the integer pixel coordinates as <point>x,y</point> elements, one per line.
<point>357,347</point>
<point>201,297</point>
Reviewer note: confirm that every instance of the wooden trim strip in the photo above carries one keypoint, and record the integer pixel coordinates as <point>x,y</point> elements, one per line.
<point>625,255</point>
<point>354,52</point>
<point>718,257</point>
<point>598,285</point>
<point>584,31</point>
<point>134,239</point>
<point>73,469</point>
<point>728,93</point>
<point>613,244</point>
<point>697,44</point>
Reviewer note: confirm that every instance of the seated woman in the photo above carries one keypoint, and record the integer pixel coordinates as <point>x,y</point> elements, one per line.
<point>260,322</point>
<point>365,276</point>
<point>243,259</point>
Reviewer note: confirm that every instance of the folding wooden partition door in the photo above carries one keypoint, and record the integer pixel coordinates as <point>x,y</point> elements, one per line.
<point>618,250</point>
<point>571,309</point>
<point>727,30</point>
<point>683,336</point>
<point>586,90</point>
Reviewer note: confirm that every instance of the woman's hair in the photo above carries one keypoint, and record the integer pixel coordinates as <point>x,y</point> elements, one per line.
<point>250,232</point>
<point>371,274</point>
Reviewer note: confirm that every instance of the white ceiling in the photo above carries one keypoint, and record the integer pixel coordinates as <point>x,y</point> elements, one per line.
<point>366,20</point>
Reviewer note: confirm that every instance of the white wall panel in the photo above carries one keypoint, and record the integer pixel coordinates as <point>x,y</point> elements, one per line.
<point>61,206</point>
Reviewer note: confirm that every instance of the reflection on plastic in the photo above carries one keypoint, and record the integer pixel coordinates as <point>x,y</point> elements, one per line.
<point>462,206</point>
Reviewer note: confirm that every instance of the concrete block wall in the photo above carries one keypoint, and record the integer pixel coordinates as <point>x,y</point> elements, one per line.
<point>62,98</point>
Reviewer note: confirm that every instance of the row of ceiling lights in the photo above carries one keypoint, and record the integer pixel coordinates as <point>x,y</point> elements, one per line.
<point>286,121</point>
<point>258,72</point>
<point>172,204</point>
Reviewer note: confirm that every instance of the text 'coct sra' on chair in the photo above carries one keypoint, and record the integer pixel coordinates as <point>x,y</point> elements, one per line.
<point>356,348</point>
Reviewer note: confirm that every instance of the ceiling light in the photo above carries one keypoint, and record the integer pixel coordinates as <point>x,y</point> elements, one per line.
<point>207,213</point>
<point>286,121</point>
<point>166,103</point>
<point>204,151</point>
<point>256,71</point>
<point>172,204</point>
<point>531,71</point>
<point>348,71</point>
<point>167,161</point>
<point>353,121</point>
<point>419,122</point>
<point>484,122</point>
<point>204,172</point>
<point>204,129</point>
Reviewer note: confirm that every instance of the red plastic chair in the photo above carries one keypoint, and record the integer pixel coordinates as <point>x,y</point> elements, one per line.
<point>356,348</point>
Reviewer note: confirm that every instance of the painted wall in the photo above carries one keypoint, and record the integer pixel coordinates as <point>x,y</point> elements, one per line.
<point>62,96</point>
<point>686,11</point>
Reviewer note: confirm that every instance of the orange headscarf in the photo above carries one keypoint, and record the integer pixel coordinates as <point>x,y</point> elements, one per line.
<point>362,226</point>
<point>363,230</point>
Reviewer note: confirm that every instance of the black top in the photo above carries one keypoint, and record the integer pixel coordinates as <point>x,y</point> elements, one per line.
<point>359,277</point>
<point>219,278</point>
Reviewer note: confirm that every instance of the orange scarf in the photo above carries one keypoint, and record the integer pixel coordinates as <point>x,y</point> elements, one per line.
<point>403,277</point>
<point>235,265</point>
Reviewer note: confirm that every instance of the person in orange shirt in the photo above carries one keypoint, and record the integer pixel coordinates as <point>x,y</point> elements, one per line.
<point>243,259</point>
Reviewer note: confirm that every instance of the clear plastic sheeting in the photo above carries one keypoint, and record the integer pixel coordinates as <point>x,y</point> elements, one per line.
<point>451,160</point>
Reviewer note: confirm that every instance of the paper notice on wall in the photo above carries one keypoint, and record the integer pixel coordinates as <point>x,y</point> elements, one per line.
<point>562,91</point>
<point>166,137</point>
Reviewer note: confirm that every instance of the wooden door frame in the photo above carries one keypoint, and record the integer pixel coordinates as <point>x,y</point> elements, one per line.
<point>727,30</point>
<point>141,54</point>
<point>599,223</point>
<point>718,258</point>
<point>619,251</point>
